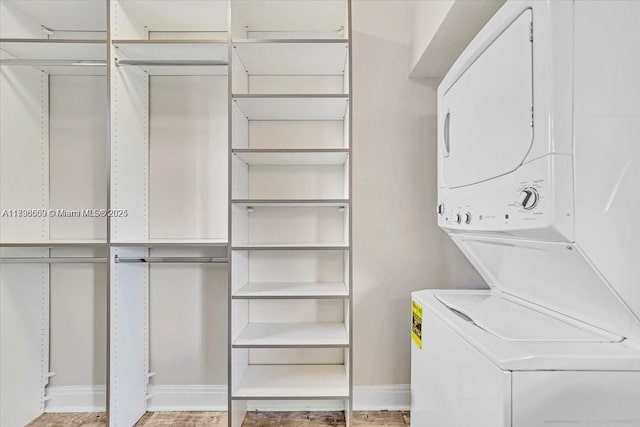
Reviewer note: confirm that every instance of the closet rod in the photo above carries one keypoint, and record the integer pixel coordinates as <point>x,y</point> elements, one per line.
<point>190,260</point>
<point>172,62</point>
<point>54,62</point>
<point>52,31</point>
<point>63,260</point>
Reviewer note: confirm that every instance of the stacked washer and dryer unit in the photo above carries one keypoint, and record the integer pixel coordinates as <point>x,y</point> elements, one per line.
<point>539,186</point>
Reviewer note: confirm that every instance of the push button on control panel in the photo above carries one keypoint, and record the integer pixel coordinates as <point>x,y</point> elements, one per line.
<point>465,217</point>
<point>529,198</point>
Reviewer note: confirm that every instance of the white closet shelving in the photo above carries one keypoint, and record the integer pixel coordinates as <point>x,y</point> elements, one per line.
<point>169,155</point>
<point>216,135</point>
<point>53,134</point>
<point>290,221</point>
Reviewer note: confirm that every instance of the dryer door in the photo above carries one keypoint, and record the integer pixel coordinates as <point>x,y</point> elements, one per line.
<point>486,127</point>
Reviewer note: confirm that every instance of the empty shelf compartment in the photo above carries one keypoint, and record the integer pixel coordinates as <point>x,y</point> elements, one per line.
<point>293,107</point>
<point>289,19</point>
<point>56,56</point>
<point>57,243</point>
<point>293,57</point>
<point>151,243</point>
<point>293,382</point>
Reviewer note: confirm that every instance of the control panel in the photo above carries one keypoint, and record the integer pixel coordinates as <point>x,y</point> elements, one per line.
<point>526,202</point>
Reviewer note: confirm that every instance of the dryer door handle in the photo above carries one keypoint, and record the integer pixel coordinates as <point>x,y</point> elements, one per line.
<point>446,134</point>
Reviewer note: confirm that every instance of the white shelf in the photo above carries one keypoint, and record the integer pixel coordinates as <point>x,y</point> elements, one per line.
<point>291,335</point>
<point>311,157</point>
<point>315,246</point>
<point>293,382</point>
<point>292,107</point>
<point>56,56</point>
<point>71,15</point>
<point>57,243</point>
<point>328,290</point>
<point>291,63</point>
<point>284,17</point>
<point>293,57</point>
<point>151,243</point>
<point>273,203</point>
<point>174,57</point>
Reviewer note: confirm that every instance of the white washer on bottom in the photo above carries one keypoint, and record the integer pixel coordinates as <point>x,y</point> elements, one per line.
<point>487,359</point>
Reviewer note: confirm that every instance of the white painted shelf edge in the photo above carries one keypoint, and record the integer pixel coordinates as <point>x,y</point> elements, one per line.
<point>291,202</point>
<point>292,246</point>
<point>286,41</point>
<point>172,242</point>
<point>290,335</point>
<point>56,243</point>
<point>319,290</point>
<point>293,157</point>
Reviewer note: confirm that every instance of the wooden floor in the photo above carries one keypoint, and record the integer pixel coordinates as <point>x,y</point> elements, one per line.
<point>219,419</point>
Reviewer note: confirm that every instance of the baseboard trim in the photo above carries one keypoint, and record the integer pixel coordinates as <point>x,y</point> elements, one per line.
<point>187,398</point>
<point>214,398</point>
<point>76,399</point>
<point>365,398</point>
<point>382,397</point>
<point>294,405</point>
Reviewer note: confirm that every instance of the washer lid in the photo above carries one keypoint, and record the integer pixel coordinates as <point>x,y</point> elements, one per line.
<point>553,275</point>
<point>512,321</point>
<point>530,346</point>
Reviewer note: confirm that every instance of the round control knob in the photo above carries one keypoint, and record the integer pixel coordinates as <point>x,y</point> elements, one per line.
<point>529,198</point>
<point>467,218</point>
<point>459,218</point>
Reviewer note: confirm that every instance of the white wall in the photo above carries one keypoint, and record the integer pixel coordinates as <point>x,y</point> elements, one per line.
<point>439,30</point>
<point>424,20</point>
<point>397,246</point>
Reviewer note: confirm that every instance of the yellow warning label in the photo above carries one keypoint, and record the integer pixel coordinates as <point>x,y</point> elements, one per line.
<point>416,327</point>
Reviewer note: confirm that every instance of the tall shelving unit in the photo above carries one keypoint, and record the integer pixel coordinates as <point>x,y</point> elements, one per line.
<point>169,96</point>
<point>53,116</point>
<point>290,207</point>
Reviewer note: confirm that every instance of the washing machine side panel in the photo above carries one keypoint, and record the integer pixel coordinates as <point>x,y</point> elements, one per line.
<point>585,398</point>
<point>452,384</point>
